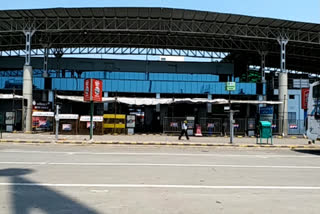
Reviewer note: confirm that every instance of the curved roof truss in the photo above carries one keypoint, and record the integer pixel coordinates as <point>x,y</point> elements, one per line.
<point>161,28</point>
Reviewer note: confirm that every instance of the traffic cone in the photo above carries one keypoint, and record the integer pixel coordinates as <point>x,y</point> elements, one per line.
<point>198,132</point>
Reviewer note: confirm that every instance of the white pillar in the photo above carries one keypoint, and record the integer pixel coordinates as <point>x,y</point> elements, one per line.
<point>105,105</point>
<point>27,85</point>
<point>158,106</point>
<point>283,89</point>
<point>209,105</point>
<point>283,108</point>
<point>27,96</point>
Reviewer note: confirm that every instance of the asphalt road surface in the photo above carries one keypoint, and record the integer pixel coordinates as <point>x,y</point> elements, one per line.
<point>121,179</point>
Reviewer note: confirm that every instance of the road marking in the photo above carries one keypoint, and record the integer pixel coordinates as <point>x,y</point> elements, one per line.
<point>162,154</point>
<point>99,190</point>
<point>164,186</point>
<point>24,163</point>
<point>162,164</point>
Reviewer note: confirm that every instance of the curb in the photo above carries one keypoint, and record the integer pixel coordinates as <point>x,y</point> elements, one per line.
<point>163,144</point>
<point>25,141</point>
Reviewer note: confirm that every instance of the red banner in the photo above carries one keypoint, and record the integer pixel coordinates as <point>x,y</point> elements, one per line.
<point>304,98</point>
<point>92,90</point>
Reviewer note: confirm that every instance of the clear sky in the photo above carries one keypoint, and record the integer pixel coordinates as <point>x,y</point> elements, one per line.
<point>297,10</point>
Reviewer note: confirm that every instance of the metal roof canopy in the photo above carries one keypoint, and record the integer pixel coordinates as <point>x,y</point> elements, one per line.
<point>163,28</point>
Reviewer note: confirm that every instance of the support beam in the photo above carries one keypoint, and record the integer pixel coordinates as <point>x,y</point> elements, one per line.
<point>283,89</point>
<point>28,34</point>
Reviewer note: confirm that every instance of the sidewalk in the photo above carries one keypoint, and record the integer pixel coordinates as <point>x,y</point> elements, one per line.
<point>155,140</point>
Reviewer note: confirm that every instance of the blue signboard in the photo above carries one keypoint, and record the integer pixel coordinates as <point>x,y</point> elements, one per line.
<point>266,110</point>
<point>266,113</point>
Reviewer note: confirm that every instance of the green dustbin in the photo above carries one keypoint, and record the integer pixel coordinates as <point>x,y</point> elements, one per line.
<point>265,131</point>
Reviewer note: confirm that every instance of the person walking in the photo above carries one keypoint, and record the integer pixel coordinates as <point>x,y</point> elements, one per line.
<point>184,130</point>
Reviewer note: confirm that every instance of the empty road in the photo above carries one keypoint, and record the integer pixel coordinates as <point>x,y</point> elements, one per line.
<point>137,179</point>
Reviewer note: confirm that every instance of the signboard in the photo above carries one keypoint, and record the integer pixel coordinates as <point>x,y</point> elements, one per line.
<point>9,118</point>
<point>66,127</point>
<point>251,123</point>
<point>190,124</point>
<point>304,98</point>
<point>174,124</point>
<point>41,123</point>
<point>236,125</point>
<point>95,118</point>
<point>92,90</point>
<point>230,86</point>
<point>301,83</point>
<point>210,125</point>
<point>293,126</point>
<point>41,105</point>
<point>273,126</point>
<point>42,114</point>
<point>68,116</point>
<point>131,121</point>
<point>93,125</point>
<point>266,113</point>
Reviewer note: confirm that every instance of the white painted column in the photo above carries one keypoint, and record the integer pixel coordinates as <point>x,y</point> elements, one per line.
<point>105,105</point>
<point>27,85</point>
<point>158,106</point>
<point>209,105</point>
<point>283,89</point>
<point>27,95</point>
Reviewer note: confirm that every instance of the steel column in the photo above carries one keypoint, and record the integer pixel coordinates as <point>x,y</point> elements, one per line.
<point>28,34</point>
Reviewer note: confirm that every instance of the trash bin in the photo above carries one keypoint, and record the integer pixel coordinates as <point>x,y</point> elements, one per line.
<point>265,131</point>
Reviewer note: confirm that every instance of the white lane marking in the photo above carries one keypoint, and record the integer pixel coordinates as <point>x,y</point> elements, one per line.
<point>162,154</point>
<point>163,164</point>
<point>24,163</point>
<point>99,190</point>
<point>163,186</point>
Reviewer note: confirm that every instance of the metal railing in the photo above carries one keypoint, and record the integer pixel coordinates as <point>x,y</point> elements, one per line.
<point>242,126</point>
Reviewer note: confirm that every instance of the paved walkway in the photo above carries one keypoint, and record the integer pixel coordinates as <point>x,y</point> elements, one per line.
<point>288,142</point>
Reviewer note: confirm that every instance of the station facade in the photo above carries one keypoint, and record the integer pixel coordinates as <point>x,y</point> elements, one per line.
<point>237,41</point>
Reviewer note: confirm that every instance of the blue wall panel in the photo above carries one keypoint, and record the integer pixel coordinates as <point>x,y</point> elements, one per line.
<point>142,86</point>
<point>137,83</point>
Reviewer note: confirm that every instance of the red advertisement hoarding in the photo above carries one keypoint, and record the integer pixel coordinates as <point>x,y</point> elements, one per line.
<point>304,98</point>
<point>92,90</point>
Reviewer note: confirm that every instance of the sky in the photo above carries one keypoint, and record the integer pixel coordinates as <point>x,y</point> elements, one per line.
<point>296,10</point>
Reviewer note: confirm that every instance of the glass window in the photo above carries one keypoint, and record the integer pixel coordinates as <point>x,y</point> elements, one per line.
<point>292,117</point>
<point>316,91</point>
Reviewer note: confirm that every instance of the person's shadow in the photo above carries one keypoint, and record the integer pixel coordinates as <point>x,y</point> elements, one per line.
<point>28,195</point>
